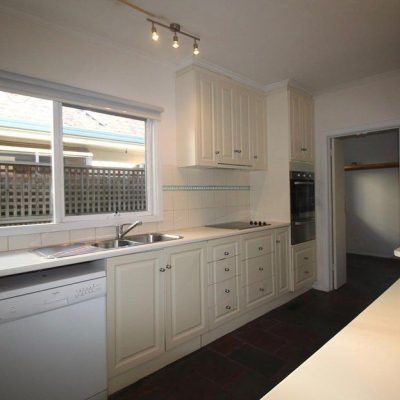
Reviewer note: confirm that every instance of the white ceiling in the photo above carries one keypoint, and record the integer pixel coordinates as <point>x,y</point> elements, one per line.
<point>318,43</point>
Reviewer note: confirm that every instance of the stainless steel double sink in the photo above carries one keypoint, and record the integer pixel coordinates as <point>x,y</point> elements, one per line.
<point>136,240</point>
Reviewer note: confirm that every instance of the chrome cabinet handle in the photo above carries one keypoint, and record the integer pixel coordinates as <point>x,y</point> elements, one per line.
<point>303,149</point>
<point>227,291</point>
<point>168,266</point>
<point>278,241</point>
<point>261,289</point>
<point>261,269</point>
<point>228,307</point>
<point>216,151</point>
<point>306,272</point>
<point>305,258</point>
<point>226,253</point>
<point>261,248</point>
<point>255,157</point>
<point>237,151</point>
<point>227,269</point>
<point>162,269</point>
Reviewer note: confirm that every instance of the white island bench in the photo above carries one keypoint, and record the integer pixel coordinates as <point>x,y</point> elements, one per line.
<point>362,362</point>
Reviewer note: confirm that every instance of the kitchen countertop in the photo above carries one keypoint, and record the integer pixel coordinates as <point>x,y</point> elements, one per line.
<point>397,252</point>
<point>16,262</point>
<point>362,362</point>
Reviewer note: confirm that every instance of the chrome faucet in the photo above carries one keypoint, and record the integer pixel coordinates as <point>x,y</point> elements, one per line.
<point>120,229</point>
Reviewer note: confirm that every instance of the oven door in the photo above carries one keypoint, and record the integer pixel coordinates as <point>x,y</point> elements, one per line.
<point>302,202</point>
<point>302,231</point>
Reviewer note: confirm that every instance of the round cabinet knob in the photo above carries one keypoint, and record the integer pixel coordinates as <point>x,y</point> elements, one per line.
<point>228,307</point>
<point>261,289</point>
<point>278,241</point>
<point>168,266</point>
<point>227,291</point>
<point>261,269</point>
<point>255,157</point>
<point>162,269</point>
<point>226,253</point>
<point>216,151</point>
<point>227,269</point>
<point>305,258</point>
<point>261,248</point>
<point>306,272</point>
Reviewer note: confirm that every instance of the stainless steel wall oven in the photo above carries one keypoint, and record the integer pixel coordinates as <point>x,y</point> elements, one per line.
<point>302,206</point>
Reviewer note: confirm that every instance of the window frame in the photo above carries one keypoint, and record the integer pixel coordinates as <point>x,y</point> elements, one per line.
<point>65,95</point>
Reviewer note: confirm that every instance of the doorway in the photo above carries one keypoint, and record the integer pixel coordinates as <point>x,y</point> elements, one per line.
<point>365,199</point>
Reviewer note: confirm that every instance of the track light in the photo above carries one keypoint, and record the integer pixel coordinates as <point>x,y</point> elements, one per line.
<point>195,48</point>
<point>154,34</point>
<point>175,43</point>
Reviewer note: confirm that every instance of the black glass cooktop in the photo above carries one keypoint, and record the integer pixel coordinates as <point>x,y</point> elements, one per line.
<point>239,225</point>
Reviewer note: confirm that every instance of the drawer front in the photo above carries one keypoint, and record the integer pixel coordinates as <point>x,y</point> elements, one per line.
<point>304,273</point>
<point>303,255</point>
<point>223,269</point>
<point>259,245</point>
<point>258,268</point>
<point>221,249</point>
<point>225,291</point>
<point>259,291</point>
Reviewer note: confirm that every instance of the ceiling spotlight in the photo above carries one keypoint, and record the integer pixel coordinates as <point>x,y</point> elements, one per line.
<point>154,34</point>
<point>195,48</point>
<point>175,43</point>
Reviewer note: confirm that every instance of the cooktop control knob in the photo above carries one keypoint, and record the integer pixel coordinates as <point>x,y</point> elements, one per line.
<point>251,222</point>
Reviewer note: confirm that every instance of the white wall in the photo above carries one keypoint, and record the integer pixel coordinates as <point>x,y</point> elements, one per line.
<point>35,48</point>
<point>370,104</point>
<point>372,196</point>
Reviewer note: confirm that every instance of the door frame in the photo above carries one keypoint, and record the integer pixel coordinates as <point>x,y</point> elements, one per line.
<point>330,137</point>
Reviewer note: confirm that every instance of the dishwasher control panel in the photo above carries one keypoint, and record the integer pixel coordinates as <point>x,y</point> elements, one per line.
<point>37,302</point>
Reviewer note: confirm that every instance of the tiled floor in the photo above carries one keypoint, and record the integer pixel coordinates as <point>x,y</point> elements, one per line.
<point>248,362</point>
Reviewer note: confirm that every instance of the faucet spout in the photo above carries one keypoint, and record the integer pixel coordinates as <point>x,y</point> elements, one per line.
<point>121,233</point>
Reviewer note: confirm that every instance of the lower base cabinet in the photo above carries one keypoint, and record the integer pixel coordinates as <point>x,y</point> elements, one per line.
<point>156,301</point>
<point>303,264</point>
<point>165,300</point>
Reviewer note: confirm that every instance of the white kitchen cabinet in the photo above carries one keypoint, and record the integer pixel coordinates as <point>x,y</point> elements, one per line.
<point>186,293</point>
<point>301,118</point>
<point>282,260</point>
<point>220,122</point>
<point>135,310</point>
<point>155,301</point>
<point>303,264</point>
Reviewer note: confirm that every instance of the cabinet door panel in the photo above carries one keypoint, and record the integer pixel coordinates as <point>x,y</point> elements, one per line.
<point>282,260</point>
<point>258,136</point>
<point>296,128</point>
<point>135,310</point>
<point>242,142</point>
<point>186,315</point>
<point>206,137</point>
<point>227,126</point>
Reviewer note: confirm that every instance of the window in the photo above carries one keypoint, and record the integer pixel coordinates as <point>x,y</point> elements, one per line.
<point>62,162</point>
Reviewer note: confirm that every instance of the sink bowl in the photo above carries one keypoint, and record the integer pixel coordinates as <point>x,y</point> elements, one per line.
<point>146,238</point>
<point>115,244</point>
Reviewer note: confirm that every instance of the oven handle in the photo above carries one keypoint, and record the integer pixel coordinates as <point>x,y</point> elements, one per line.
<point>297,223</point>
<point>303,182</point>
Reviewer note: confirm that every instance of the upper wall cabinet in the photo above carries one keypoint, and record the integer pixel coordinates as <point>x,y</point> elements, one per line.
<point>220,123</point>
<point>301,115</point>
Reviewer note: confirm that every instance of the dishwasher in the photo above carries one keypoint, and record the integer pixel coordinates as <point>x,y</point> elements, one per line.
<point>53,334</point>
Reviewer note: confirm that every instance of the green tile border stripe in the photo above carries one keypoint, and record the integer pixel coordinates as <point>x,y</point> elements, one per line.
<point>193,188</point>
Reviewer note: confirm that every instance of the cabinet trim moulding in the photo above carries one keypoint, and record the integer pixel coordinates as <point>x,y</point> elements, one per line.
<point>286,84</point>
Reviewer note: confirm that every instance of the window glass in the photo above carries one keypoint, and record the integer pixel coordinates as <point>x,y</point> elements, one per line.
<point>25,159</point>
<point>104,162</point>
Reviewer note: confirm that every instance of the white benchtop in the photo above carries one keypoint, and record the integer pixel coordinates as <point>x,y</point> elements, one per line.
<point>16,262</point>
<point>397,252</point>
<point>362,362</point>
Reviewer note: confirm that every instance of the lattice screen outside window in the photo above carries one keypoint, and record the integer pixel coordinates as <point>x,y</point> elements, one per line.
<point>25,191</point>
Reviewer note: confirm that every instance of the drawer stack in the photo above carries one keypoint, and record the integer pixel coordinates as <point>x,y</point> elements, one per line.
<point>223,280</point>
<point>303,264</point>
<point>258,267</point>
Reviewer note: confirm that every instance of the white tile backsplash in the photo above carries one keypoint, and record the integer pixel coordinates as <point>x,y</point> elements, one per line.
<point>53,238</point>
<point>105,232</point>
<point>3,243</point>
<point>20,242</point>
<point>82,235</point>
